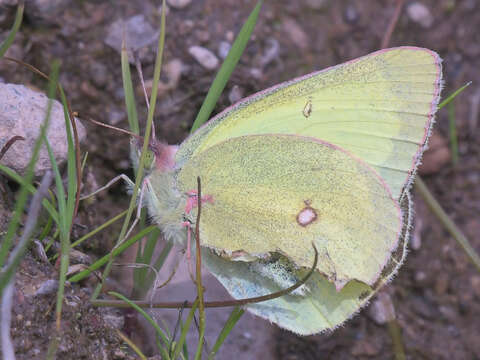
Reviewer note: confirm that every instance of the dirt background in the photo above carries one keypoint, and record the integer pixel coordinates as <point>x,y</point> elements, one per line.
<point>436,293</point>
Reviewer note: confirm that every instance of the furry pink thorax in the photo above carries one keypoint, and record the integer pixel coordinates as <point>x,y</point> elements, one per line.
<point>164,155</point>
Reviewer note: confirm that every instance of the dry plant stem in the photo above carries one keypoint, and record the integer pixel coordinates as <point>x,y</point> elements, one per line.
<point>201,301</point>
<point>132,345</point>
<point>8,350</point>
<point>9,144</point>
<point>393,24</point>
<point>437,210</point>
<point>396,334</point>
<point>213,304</point>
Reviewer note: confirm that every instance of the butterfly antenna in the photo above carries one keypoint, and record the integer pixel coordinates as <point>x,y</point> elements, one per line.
<point>138,66</point>
<point>115,128</point>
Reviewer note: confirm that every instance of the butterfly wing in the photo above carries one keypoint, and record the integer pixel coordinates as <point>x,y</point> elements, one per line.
<point>321,308</point>
<point>281,193</point>
<point>379,107</point>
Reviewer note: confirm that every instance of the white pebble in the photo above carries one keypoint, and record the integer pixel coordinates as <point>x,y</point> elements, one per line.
<point>223,49</point>
<point>420,14</point>
<point>204,57</point>
<point>179,4</point>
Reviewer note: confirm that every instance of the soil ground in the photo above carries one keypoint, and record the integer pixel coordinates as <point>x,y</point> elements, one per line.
<point>436,293</point>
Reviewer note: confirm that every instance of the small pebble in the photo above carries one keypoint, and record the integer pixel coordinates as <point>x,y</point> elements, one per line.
<point>99,73</point>
<point>475,283</point>
<point>139,34</point>
<point>416,241</point>
<point>296,33</point>
<point>364,347</point>
<point>204,57</point>
<point>351,15</point>
<point>382,309</point>
<point>235,94</point>
<point>271,53</point>
<point>47,287</point>
<point>179,4</point>
<point>437,155</point>
<point>230,36</point>
<point>39,251</point>
<point>441,283</point>
<point>113,319</point>
<point>317,4</point>
<point>172,71</point>
<point>420,276</point>
<point>256,73</point>
<point>223,49</point>
<point>420,14</point>
<point>202,35</point>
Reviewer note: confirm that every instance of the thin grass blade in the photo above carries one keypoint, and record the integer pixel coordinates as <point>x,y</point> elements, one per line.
<point>227,68</point>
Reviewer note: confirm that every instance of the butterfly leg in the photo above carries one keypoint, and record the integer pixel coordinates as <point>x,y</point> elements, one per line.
<point>110,183</point>
<point>193,200</point>
<point>188,225</point>
<point>145,183</point>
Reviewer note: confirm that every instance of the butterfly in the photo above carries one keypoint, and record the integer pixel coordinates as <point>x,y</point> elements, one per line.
<point>327,158</point>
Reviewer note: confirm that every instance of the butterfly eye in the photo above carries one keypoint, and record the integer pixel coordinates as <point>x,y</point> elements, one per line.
<point>149,160</point>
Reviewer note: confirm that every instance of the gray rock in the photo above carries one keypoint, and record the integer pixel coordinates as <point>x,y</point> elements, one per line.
<point>179,4</point>
<point>138,32</point>
<point>420,14</point>
<point>22,112</point>
<point>204,57</point>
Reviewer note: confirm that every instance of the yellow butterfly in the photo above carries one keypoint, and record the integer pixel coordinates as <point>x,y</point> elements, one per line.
<point>326,158</point>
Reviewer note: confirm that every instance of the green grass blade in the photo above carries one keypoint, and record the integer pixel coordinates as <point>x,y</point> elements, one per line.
<point>148,131</point>
<point>454,95</point>
<point>145,257</point>
<point>19,251</point>
<point>158,263</point>
<point>132,114</point>
<point>65,220</point>
<point>115,252</point>
<point>227,68</point>
<point>152,322</point>
<point>437,210</point>
<point>235,315</point>
<point>99,228</point>
<point>453,132</point>
<point>11,35</point>
<point>31,189</point>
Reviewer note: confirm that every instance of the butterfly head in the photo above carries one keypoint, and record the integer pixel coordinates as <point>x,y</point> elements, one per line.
<point>159,156</point>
